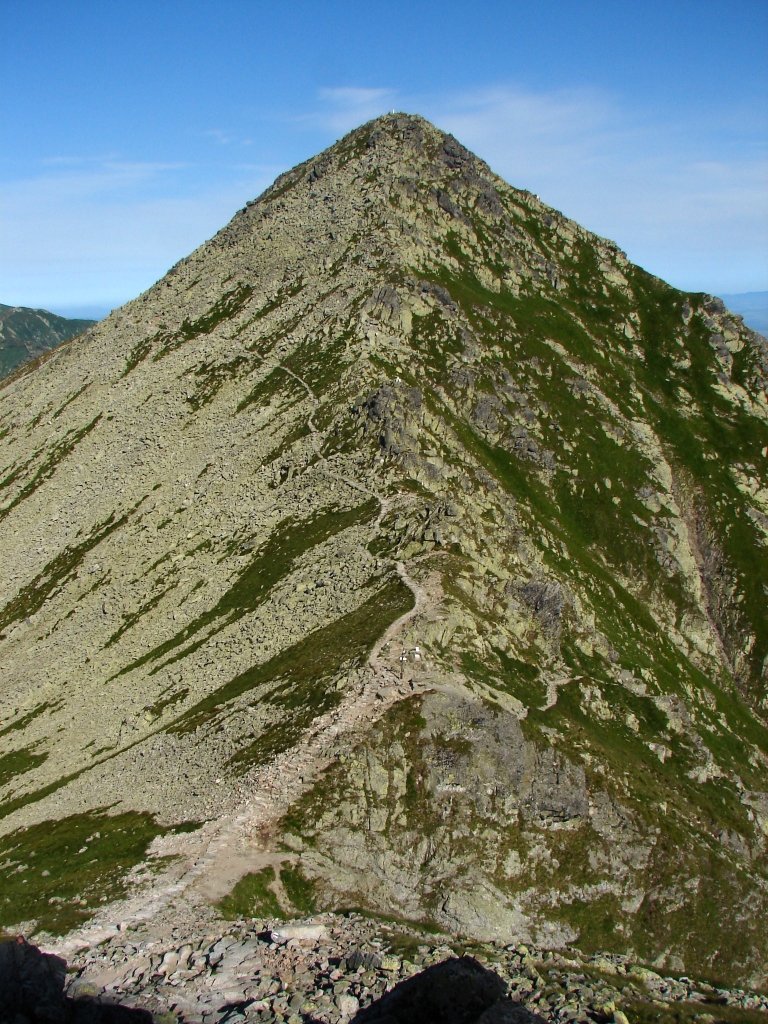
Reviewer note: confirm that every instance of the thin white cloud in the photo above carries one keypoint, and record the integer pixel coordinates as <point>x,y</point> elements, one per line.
<point>223,138</point>
<point>226,138</point>
<point>112,229</point>
<point>64,178</point>
<point>63,161</point>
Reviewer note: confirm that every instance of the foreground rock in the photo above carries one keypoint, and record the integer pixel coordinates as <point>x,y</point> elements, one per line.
<point>355,971</point>
<point>32,991</point>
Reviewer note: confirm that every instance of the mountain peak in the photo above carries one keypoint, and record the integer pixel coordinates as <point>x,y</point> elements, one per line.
<point>391,148</point>
<point>398,121</point>
<point>396,124</point>
<point>404,522</point>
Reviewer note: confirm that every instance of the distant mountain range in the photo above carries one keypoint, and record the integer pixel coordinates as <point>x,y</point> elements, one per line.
<point>753,306</point>
<point>28,333</point>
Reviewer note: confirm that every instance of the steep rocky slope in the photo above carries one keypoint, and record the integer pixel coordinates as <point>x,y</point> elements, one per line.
<point>28,333</point>
<point>403,548</point>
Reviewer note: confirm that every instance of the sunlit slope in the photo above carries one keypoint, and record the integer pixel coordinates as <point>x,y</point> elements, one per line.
<point>397,403</point>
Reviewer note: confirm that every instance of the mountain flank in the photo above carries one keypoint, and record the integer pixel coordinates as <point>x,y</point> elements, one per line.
<point>402,549</point>
<point>28,333</point>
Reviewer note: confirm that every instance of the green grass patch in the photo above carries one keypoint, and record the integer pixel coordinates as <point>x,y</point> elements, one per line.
<point>281,296</point>
<point>18,762</point>
<point>163,703</point>
<point>59,872</point>
<point>307,686</point>
<point>75,395</point>
<point>299,889</point>
<point>252,896</point>
<point>276,383</point>
<point>291,438</point>
<point>273,561</point>
<point>500,671</point>
<point>225,308</point>
<point>52,458</point>
<point>23,722</point>
<point>56,574</point>
<point>304,671</point>
<point>595,920</point>
<point>129,621</point>
<point>211,378</point>
<point>164,341</point>
<point>321,365</point>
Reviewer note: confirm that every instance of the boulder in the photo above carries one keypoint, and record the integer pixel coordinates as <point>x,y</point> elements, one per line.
<point>456,991</point>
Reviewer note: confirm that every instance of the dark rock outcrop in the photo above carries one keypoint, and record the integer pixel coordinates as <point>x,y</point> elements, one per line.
<point>452,992</point>
<point>32,992</point>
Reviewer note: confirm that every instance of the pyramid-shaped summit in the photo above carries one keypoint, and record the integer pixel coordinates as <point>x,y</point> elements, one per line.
<point>407,542</point>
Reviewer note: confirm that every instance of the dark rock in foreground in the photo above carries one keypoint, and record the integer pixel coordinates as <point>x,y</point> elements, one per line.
<point>32,992</point>
<point>459,991</point>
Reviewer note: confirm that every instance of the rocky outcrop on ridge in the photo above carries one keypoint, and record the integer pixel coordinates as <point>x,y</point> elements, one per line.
<point>403,548</point>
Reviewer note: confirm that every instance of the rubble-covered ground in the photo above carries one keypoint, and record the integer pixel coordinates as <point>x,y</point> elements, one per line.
<point>337,969</point>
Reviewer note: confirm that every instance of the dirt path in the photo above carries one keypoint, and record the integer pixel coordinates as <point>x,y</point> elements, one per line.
<point>208,863</point>
<point>423,596</point>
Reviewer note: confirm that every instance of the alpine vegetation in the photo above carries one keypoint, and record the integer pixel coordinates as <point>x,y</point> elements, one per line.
<point>403,549</point>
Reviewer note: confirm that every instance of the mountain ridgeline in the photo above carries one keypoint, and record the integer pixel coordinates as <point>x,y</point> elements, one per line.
<point>411,541</point>
<point>29,333</point>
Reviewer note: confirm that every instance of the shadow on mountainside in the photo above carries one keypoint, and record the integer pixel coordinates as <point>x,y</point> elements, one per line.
<point>458,991</point>
<point>32,992</point>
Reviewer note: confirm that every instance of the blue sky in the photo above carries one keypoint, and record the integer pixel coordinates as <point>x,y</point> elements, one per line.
<point>131,132</point>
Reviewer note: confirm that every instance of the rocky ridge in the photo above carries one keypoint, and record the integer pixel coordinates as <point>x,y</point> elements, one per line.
<point>402,548</point>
